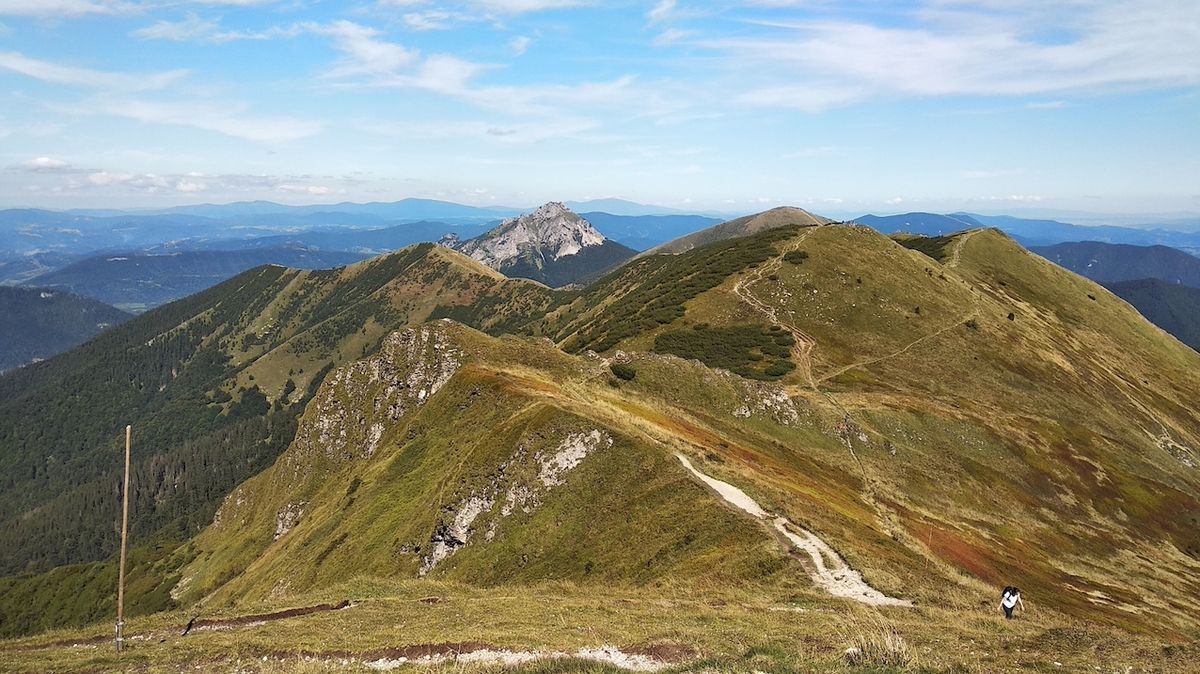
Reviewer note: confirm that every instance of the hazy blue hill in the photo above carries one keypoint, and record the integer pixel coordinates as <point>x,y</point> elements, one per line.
<point>137,282</point>
<point>640,232</point>
<point>37,323</point>
<point>370,241</point>
<point>16,267</point>
<point>1113,263</point>
<point>404,209</point>
<point>1048,232</point>
<point>926,224</point>
<point>1174,308</point>
<point>24,231</point>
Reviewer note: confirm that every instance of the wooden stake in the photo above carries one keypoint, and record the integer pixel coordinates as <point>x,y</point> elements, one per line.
<point>124,537</point>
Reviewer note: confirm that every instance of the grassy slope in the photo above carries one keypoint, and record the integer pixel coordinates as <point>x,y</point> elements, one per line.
<point>507,402</point>
<point>1075,410</point>
<point>944,453</point>
<point>261,329</point>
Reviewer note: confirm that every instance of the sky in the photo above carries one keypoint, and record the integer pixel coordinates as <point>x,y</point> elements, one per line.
<point>867,106</point>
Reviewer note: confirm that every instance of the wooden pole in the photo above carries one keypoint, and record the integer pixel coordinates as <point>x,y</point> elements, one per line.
<point>124,538</point>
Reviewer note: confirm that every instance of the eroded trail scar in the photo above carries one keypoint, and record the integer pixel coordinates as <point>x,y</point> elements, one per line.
<point>830,571</point>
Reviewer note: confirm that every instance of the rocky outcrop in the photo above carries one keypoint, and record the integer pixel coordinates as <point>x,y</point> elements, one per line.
<point>506,493</point>
<point>346,420</point>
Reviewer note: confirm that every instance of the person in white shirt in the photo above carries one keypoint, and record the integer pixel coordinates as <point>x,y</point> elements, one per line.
<point>1010,600</point>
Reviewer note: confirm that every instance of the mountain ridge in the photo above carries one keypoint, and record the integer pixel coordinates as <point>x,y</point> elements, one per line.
<point>38,323</point>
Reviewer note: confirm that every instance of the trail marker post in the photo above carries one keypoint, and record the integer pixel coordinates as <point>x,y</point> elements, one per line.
<point>124,537</point>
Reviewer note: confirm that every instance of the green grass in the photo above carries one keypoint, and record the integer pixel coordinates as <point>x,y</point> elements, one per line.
<point>654,291</point>
<point>722,629</point>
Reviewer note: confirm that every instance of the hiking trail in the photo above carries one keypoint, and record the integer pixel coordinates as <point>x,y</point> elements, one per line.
<point>830,571</point>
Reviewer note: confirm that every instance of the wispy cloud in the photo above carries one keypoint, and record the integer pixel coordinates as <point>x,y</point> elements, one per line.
<point>55,73</point>
<point>195,182</point>
<point>526,6</point>
<point>60,8</point>
<point>661,11</point>
<point>188,29</point>
<point>224,118</point>
<point>969,48</point>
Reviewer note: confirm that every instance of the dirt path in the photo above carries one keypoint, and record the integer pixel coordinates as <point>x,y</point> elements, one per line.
<point>899,352</point>
<point>956,254</point>
<point>830,571</point>
<point>804,343</point>
<point>193,627</point>
<point>955,258</point>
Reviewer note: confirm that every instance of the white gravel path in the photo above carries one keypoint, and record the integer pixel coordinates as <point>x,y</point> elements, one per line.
<point>830,571</point>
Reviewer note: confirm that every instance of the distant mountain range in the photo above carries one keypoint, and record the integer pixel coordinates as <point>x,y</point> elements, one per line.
<point>37,323</point>
<point>1111,263</point>
<point>369,241</point>
<point>552,245</point>
<point>1160,282</point>
<point>1029,232</point>
<point>1172,307</point>
<point>136,282</point>
<point>641,232</point>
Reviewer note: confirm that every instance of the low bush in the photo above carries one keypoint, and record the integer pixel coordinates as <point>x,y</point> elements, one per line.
<point>623,371</point>
<point>753,351</point>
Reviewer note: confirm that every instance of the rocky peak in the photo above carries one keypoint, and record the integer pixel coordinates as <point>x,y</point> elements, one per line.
<point>550,232</point>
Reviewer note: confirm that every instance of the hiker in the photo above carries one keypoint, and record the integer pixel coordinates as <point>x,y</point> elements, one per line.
<point>1009,600</point>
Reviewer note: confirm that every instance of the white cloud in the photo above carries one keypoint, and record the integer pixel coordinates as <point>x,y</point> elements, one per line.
<point>661,11</point>
<point>1014,198</point>
<point>311,190</point>
<point>525,6</point>
<point>190,186</point>
<point>84,77</point>
<point>45,165</point>
<point>672,36</point>
<point>428,20</point>
<point>971,48</point>
<point>225,119</point>
<point>363,52</point>
<point>190,28</point>
<point>104,178</point>
<point>520,44</point>
<point>1046,105</point>
<point>60,8</point>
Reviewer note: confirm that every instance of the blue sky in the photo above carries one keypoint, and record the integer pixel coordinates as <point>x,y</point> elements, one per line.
<point>985,105</point>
